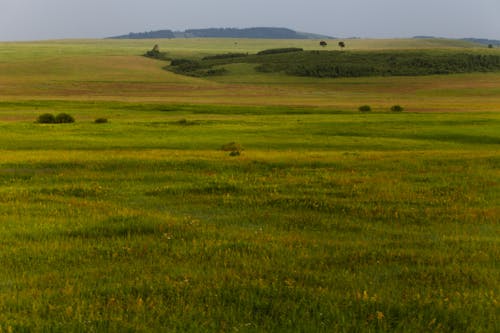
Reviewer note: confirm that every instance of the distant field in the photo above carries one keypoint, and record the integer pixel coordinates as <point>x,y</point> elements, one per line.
<point>328,220</point>
<point>114,70</point>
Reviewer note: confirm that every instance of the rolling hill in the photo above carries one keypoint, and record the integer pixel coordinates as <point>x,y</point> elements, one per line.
<point>258,32</point>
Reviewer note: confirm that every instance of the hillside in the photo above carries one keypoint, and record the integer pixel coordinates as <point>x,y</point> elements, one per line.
<point>258,32</point>
<point>113,69</point>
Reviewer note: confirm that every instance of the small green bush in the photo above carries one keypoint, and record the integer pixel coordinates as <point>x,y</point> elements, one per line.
<point>46,118</point>
<point>397,108</point>
<point>101,121</point>
<point>185,122</point>
<point>232,146</point>
<point>64,118</point>
<point>365,108</point>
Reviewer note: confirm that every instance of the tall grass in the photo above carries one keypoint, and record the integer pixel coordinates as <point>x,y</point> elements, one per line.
<point>325,222</point>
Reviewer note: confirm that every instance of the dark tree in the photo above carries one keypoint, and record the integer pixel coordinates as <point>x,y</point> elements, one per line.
<point>323,43</point>
<point>156,54</point>
<point>341,45</point>
<point>490,46</point>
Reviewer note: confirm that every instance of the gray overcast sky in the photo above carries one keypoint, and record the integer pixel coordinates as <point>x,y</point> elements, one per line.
<point>50,19</point>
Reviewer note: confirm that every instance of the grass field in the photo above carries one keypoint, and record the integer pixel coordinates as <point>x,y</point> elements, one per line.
<point>330,220</point>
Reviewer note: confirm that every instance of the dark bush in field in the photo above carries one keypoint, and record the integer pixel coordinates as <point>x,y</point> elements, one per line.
<point>46,118</point>
<point>64,118</point>
<point>156,54</point>
<point>214,72</point>
<point>225,56</point>
<point>185,122</point>
<point>397,108</point>
<point>365,108</point>
<point>234,148</point>
<point>184,62</point>
<point>194,68</point>
<point>101,121</point>
<point>282,50</point>
<point>185,66</point>
<point>330,70</point>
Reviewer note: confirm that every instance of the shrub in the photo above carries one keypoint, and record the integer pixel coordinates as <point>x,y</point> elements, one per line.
<point>46,118</point>
<point>184,62</point>
<point>156,54</point>
<point>185,122</point>
<point>101,121</point>
<point>282,50</point>
<point>365,108</point>
<point>214,72</point>
<point>64,118</point>
<point>232,146</point>
<point>397,108</point>
<point>225,56</point>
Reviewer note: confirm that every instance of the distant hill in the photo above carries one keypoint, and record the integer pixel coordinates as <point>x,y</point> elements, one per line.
<point>424,37</point>
<point>482,41</point>
<point>259,32</point>
<point>146,35</point>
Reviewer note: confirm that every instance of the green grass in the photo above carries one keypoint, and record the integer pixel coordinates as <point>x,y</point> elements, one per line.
<point>328,221</point>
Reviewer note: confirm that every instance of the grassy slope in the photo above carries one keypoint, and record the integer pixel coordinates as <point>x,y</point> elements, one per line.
<point>112,70</point>
<point>330,220</point>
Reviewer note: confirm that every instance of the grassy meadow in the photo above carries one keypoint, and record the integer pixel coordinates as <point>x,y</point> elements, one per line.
<point>329,220</point>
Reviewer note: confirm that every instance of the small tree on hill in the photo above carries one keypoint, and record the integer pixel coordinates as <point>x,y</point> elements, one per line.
<point>341,45</point>
<point>490,46</point>
<point>323,43</point>
<point>155,53</point>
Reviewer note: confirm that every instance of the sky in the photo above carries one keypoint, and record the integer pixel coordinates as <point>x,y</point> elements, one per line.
<point>58,19</point>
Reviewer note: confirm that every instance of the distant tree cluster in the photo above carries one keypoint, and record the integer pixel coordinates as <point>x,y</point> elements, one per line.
<point>267,33</point>
<point>280,50</point>
<point>147,35</point>
<point>336,64</point>
<point>225,56</point>
<point>258,32</point>
<point>156,54</point>
<point>196,68</point>
<point>350,64</point>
